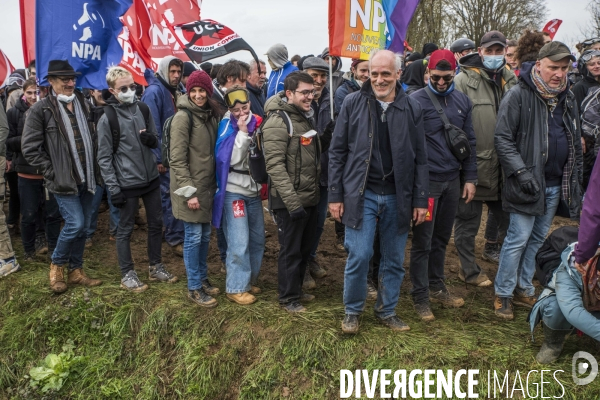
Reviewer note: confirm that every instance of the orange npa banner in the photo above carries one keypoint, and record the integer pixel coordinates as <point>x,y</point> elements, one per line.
<point>356,27</point>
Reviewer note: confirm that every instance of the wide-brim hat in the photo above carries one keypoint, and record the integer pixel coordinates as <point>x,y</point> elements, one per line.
<point>60,68</point>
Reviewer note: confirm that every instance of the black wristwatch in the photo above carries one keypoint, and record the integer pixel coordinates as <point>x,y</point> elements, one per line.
<point>473,182</point>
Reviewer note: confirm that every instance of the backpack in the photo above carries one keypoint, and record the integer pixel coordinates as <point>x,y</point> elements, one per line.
<point>113,122</point>
<point>548,258</point>
<point>165,151</point>
<point>256,157</point>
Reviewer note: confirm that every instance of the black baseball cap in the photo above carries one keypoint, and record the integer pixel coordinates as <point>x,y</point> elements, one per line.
<point>491,38</point>
<point>556,51</point>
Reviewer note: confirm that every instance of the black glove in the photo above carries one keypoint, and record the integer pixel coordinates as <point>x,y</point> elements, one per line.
<point>527,182</point>
<point>118,200</point>
<point>298,214</point>
<point>148,139</point>
<point>329,128</point>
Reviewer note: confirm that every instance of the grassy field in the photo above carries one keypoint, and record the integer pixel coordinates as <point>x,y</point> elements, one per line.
<point>157,345</point>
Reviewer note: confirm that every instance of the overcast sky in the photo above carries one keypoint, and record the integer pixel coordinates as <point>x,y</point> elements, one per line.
<point>300,24</point>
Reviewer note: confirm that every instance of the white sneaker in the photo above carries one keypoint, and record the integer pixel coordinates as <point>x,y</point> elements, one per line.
<point>9,266</point>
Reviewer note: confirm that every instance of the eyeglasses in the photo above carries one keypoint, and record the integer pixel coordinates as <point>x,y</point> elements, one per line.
<point>236,96</point>
<point>306,93</point>
<point>123,89</point>
<point>68,79</point>
<point>588,55</point>
<point>446,78</point>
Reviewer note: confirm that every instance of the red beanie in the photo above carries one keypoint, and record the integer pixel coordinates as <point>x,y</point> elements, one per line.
<point>200,79</point>
<point>355,62</point>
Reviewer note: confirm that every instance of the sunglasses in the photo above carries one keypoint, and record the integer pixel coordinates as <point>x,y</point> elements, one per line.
<point>236,96</point>
<point>446,78</point>
<point>68,79</point>
<point>123,89</point>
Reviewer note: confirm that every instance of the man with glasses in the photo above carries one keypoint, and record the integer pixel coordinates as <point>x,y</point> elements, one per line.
<point>292,151</point>
<point>161,96</point>
<point>255,85</point>
<point>130,173</point>
<point>428,251</point>
<point>485,78</point>
<point>378,176</point>
<point>59,139</point>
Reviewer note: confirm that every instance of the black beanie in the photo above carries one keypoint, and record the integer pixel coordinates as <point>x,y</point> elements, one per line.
<point>188,68</point>
<point>429,48</point>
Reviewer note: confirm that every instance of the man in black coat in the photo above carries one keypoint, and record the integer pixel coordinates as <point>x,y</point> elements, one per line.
<point>378,175</point>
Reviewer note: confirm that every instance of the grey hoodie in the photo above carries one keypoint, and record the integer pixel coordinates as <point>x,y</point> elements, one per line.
<point>133,165</point>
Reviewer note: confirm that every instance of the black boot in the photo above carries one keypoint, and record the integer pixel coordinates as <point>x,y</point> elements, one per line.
<point>552,346</point>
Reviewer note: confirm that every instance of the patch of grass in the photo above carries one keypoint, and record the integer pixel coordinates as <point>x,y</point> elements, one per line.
<point>157,345</point>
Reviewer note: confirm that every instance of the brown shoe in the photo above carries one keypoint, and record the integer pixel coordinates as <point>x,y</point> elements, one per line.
<point>255,290</point>
<point>241,298</point>
<point>524,301</point>
<point>57,279</point>
<point>503,308</point>
<point>78,277</point>
<point>480,280</point>
<point>177,250</point>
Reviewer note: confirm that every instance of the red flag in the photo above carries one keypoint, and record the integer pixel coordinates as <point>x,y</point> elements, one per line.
<point>135,40</point>
<point>27,9</point>
<point>176,12</point>
<point>6,68</point>
<point>551,27</point>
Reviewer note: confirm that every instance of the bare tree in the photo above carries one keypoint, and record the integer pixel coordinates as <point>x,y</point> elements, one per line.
<point>473,18</point>
<point>592,28</point>
<point>427,25</point>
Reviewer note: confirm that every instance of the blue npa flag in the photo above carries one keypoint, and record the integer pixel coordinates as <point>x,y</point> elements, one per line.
<point>83,32</point>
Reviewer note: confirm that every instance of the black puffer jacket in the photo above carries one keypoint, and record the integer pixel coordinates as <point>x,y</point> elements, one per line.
<point>521,141</point>
<point>352,147</point>
<point>46,147</point>
<point>16,123</point>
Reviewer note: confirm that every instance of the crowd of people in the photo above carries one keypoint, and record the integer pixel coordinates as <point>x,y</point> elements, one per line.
<point>415,146</point>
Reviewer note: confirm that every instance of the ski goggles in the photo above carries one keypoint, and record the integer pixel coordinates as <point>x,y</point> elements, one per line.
<point>590,42</point>
<point>236,96</point>
<point>589,54</point>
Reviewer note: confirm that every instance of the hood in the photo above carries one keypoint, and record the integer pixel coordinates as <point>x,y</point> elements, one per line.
<point>163,68</point>
<point>525,76</point>
<point>279,102</point>
<point>278,55</point>
<point>150,77</point>
<point>413,75</point>
<point>339,60</point>
<point>184,102</point>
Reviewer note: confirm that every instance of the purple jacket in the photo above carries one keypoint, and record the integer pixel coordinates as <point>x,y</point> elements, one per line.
<point>589,229</point>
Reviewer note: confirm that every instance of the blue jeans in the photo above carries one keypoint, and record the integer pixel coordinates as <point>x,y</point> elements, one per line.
<point>174,231</point>
<point>76,210</point>
<point>195,251</point>
<point>321,217</point>
<point>525,236</point>
<point>222,243</point>
<point>247,231</point>
<point>359,243</point>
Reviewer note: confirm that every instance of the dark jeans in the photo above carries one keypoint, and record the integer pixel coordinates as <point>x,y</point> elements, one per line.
<point>13,203</point>
<point>496,226</point>
<point>222,245</point>
<point>466,226</point>
<point>295,242</point>
<point>152,204</point>
<point>38,211</point>
<point>340,229</point>
<point>373,277</point>
<point>428,251</point>
<point>174,231</point>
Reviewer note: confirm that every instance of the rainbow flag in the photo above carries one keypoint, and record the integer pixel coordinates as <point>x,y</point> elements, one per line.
<point>356,27</point>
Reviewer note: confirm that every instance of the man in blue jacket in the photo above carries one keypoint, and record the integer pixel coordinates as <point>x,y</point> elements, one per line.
<point>277,56</point>
<point>378,175</point>
<point>161,97</point>
<point>428,251</point>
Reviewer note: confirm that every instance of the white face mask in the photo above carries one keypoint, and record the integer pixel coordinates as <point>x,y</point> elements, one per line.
<point>66,99</point>
<point>127,97</point>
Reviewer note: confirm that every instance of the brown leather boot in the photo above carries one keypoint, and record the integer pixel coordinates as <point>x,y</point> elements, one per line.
<point>78,277</point>
<point>57,279</point>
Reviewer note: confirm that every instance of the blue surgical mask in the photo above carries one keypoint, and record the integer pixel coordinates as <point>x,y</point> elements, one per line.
<point>493,62</point>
